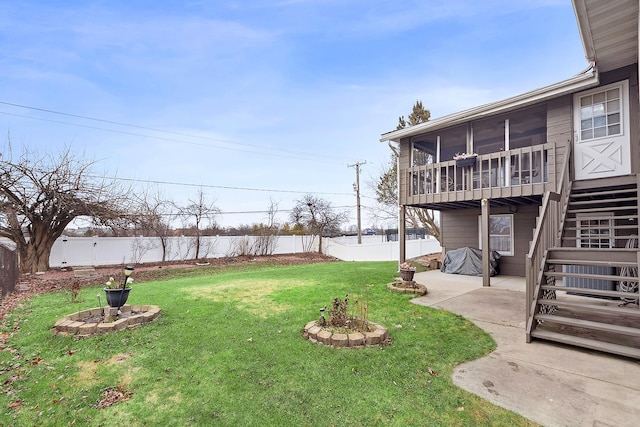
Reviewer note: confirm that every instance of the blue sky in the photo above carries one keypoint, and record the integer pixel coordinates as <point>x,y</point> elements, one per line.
<point>271,95</point>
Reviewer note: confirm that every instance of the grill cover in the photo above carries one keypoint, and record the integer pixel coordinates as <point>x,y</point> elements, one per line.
<point>468,261</point>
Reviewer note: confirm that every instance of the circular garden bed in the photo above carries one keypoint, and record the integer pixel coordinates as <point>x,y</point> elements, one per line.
<point>407,287</point>
<point>90,322</point>
<point>317,334</point>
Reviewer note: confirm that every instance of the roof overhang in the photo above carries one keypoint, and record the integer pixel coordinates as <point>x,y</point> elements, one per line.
<point>609,32</point>
<point>586,79</point>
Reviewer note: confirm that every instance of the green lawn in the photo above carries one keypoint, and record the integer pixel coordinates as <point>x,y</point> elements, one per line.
<point>227,350</point>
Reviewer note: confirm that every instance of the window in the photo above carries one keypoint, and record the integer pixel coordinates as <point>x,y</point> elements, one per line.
<point>594,232</point>
<point>500,233</point>
<point>600,114</point>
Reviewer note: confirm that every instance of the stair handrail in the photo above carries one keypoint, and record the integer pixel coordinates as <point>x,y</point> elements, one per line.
<point>547,233</point>
<point>563,189</point>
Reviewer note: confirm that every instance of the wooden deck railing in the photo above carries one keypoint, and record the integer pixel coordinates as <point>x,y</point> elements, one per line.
<point>547,234</point>
<point>501,174</point>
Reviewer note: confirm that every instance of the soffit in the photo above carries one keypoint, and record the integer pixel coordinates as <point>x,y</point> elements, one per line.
<point>609,31</point>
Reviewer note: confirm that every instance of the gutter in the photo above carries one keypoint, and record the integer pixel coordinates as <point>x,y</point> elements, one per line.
<point>584,80</point>
<point>582,18</point>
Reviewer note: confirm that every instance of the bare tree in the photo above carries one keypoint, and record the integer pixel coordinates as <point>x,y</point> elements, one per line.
<point>386,190</point>
<point>40,194</point>
<point>199,213</point>
<point>153,217</point>
<point>386,185</point>
<point>316,216</point>
<point>267,234</point>
<point>140,246</point>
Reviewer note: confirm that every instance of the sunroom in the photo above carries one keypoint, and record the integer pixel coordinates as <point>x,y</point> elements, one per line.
<point>501,156</point>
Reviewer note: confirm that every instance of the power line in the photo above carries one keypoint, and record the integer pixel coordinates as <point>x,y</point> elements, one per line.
<point>150,181</point>
<point>298,153</point>
<point>170,139</point>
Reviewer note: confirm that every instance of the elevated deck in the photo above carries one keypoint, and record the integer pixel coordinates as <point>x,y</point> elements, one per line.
<point>512,177</point>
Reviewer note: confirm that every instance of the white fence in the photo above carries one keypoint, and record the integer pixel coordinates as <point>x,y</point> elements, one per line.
<point>372,249</point>
<point>82,251</point>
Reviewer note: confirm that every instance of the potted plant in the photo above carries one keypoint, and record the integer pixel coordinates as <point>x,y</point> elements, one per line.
<point>116,293</point>
<point>407,270</point>
<point>465,159</point>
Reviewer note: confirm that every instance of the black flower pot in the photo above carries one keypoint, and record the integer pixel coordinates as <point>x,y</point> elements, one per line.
<point>117,297</point>
<point>407,275</point>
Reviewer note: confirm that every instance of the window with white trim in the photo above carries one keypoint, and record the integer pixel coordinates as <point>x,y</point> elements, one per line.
<point>600,114</point>
<point>500,233</point>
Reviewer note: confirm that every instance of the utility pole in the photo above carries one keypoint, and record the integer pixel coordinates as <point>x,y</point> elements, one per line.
<point>356,187</point>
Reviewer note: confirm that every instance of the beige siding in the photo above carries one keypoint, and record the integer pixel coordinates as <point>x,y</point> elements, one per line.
<point>559,130</point>
<point>460,229</point>
<point>404,163</point>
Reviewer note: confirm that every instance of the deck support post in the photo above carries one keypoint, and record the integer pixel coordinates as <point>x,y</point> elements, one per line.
<point>402,235</point>
<point>486,248</point>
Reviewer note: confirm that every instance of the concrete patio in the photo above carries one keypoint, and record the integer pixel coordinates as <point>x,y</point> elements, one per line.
<point>551,384</point>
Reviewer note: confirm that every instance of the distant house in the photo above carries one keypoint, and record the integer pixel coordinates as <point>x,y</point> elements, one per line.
<point>549,179</point>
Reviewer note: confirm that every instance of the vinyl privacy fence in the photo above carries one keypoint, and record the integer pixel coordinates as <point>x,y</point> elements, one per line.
<point>87,251</point>
<point>94,251</point>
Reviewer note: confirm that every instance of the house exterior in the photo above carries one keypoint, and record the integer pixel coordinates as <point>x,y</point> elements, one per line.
<point>553,185</point>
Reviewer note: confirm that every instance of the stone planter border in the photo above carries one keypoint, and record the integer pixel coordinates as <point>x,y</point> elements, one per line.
<point>74,325</point>
<point>417,288</point>
<point>319,335</point>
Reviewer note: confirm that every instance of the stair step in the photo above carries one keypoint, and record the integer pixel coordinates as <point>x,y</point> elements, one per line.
<point>588,291</point>
<point>588,324</point>
<point>608,277</point>
<point>593,254</point>
<point>616,227</point>
<point>596,217</point>
<point>611,263</point>
<point>617,200</point>
<point>587,343</point>
<point>612,183</point>
<point>599,193</point>
<point>602,209</point>
<point>591,307</point>
<point>571,240</point>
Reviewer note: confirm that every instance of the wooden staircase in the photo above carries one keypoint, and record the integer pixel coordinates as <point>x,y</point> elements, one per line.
<point>587,292</point>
